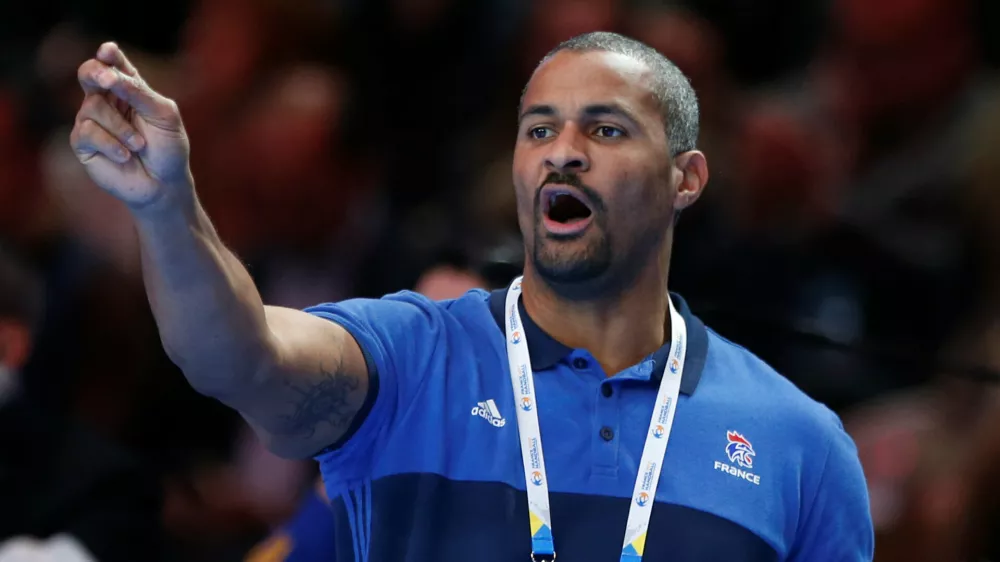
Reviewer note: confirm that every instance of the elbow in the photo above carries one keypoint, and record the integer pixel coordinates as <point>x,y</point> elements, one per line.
<point>222,373</point>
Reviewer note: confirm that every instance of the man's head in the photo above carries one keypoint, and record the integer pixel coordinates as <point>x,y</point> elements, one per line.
<point>21,302</point>
<point>604,159</point>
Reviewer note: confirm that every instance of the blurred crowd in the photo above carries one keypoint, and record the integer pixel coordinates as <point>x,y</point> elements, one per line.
<point>850,233</point>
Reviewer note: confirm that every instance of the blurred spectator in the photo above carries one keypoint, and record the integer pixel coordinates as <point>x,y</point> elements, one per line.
<point>307,537</point>
<point>24,215</point>
<point>551,22</point>
<point>766,40</point>
<point>932,455</point>
<point>447,282</point>
<point>59,480</point>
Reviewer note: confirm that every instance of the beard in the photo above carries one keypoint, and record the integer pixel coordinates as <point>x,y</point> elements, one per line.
<point>558,263</point>
<point>574,259</point>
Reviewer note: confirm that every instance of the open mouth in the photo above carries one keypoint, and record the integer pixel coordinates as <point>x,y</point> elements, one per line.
<point>563,206</point>
<point>565,212</point>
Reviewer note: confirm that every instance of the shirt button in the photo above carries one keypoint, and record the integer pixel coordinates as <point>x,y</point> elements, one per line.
<point>606,390</point>
<point>580,363</point>
<point>607,433</point>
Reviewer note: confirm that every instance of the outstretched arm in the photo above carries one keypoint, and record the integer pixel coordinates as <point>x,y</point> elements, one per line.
<point>299,380</point>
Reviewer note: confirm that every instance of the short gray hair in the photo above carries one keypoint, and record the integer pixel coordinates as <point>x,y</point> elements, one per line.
<point>678,101</point>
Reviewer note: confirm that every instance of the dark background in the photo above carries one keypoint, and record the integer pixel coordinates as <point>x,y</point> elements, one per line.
<point>849,233</point>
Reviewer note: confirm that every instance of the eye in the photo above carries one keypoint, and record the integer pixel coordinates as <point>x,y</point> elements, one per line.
<point>609,132</point>
<point>540,132</point>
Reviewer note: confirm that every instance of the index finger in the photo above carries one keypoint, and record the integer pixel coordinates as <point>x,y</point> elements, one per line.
<point>110,53</point>
<point>88,74</point>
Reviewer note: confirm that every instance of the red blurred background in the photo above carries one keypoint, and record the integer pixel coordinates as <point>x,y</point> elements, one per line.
<point>344,147</point>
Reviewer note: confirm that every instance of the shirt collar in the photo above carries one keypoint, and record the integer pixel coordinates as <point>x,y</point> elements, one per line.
<point>545,351</point>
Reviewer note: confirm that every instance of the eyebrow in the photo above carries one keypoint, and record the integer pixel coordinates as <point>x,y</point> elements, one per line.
<point>543,110</point>
<point>593,110</point>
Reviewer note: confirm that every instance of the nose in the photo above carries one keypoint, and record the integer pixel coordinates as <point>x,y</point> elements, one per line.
<point>568,153</point>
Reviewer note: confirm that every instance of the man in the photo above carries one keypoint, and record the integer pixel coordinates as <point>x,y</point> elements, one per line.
<point>65,492</point>
<point>429,418</point>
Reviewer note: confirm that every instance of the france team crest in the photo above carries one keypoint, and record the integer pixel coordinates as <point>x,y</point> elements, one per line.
<point>739,450</point>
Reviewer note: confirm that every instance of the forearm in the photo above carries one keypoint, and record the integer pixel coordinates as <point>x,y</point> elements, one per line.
<point>298,378</point>
<point>209,313</point>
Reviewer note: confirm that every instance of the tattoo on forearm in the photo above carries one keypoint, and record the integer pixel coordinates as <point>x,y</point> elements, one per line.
<point>326,401</point>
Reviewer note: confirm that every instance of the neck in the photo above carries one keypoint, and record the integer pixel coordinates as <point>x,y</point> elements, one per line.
<point>618,330</point>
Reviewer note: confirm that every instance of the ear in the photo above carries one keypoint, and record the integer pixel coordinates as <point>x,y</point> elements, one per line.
<point>691,175</point>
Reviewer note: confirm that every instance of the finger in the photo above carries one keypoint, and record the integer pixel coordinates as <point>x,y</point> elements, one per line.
<point>87,75</point>
<point>100,110</point>
<point>137,94</point>
<point>111,54</point>
<point>89,141</point>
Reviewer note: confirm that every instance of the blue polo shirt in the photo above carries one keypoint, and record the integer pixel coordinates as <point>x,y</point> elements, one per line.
<point>755,469</point>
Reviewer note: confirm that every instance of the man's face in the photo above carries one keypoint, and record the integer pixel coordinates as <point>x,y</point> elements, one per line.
<point>592,168</point>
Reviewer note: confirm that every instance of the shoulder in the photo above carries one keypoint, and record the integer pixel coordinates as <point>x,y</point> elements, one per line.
<point>406,322</point>
<point>746,382</point>
<point>799,441</point>
<point>406,306</point>
<point>802,445</point>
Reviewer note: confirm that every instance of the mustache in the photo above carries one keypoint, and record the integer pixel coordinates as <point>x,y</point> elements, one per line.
<point>572,180</point>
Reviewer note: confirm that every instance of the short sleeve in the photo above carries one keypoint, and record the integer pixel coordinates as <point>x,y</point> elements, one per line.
<point>399,335</point>
<point>837,522</point>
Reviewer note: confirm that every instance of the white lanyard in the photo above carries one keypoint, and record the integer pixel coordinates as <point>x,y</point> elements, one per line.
<point>536,481</point>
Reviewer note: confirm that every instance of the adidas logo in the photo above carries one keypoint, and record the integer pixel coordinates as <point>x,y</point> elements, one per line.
<point>488,411</point>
